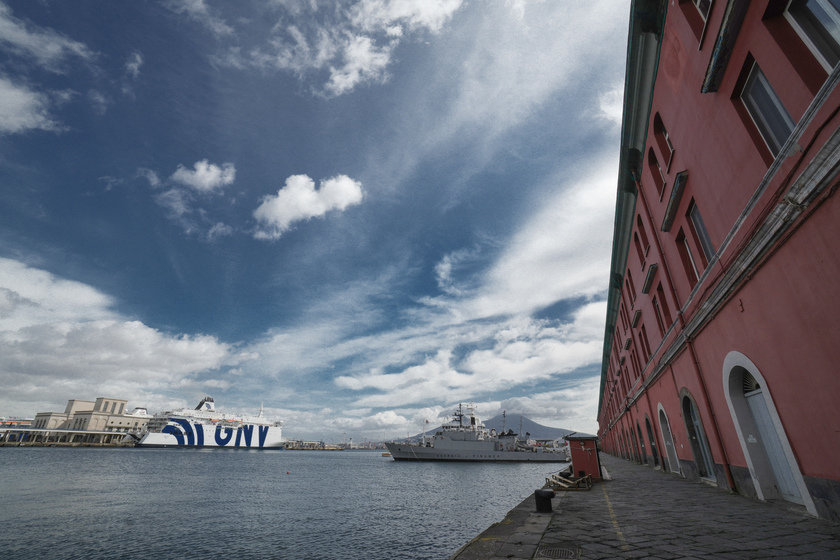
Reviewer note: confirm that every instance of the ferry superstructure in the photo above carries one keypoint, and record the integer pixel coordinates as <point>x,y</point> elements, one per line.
<point>465,438</point>
<point>203,426</point>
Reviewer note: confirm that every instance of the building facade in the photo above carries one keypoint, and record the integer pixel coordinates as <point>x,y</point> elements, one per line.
<point>104,420</point>
<point>720,354</point>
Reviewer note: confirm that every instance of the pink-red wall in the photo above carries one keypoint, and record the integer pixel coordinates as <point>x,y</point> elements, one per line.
<point>783,314</point>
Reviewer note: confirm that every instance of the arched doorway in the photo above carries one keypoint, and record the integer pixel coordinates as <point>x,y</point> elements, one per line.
<point>652,441</point>
<point>697,438</point>
<point>770,459</point>
<point>670,450</point>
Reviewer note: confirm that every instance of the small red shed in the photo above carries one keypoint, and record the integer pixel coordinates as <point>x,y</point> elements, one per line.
<point>584,451</point>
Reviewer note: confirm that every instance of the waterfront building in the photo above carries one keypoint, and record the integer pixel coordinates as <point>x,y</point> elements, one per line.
<point>104,420</point>
<point>720,354</point>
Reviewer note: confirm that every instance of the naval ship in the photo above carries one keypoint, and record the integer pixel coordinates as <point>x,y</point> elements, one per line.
<point>465,438</point>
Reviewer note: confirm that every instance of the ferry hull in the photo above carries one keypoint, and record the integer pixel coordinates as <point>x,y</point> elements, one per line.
<point>406,452</point>
<point>248,436</point>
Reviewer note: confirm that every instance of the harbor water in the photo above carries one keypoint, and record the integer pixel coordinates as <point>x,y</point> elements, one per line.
<point>99,503</point>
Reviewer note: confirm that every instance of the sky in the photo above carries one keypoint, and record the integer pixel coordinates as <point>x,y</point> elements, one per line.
<point>357,214</point>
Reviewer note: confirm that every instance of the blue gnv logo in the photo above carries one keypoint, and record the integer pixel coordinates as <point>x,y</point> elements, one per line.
<point>195,436</point>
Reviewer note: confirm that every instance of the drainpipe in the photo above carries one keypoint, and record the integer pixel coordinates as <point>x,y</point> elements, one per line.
<point>711,412</point>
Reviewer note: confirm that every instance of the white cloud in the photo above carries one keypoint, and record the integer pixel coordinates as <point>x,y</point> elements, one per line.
<point>30,296</point>
<point>132,72</point>
<point>205,177</point>
<point>561,252</point>
<point>219,230</point>
<point>506,62</point>
<point>352,46</point>
<point>61,339</point>
<point>611,104</point>
<point>150,176</point>
<point>375,15</point>
<point>22,109</point>
<point>133,64</point>
<point>298,201</point>
<point>198,11</point>
<point>363,61</point>
<point>99,101</point>
<point>177,201</point>
<point>46,46</point>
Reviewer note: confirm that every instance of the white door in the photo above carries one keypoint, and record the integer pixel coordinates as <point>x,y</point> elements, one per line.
<point>773,447</point>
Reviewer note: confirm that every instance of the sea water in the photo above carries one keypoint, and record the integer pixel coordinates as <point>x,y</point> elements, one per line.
<point>100,503</point>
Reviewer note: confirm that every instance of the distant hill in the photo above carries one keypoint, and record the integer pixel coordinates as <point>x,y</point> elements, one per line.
<point>537,431</point>
<point>512,422</point>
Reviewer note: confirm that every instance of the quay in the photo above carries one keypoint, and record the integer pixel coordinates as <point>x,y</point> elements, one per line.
<point>640,512</point>
<point>51,437</point>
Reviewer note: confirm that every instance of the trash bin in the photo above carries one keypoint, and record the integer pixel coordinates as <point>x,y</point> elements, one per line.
<point>543,499</point>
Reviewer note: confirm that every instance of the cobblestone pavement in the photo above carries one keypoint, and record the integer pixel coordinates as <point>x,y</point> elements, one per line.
<point>644,513</point>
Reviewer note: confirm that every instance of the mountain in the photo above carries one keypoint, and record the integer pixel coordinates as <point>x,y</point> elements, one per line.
<point>537,431</point>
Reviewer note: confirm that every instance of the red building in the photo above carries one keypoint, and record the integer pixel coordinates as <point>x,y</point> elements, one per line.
<point>722,346</point>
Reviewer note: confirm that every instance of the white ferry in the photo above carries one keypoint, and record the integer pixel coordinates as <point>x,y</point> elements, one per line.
<point>203,426</point>
<point>465,438</point>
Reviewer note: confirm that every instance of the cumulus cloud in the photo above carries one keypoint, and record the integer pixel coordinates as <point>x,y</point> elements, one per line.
<point>47,47</point>
<point>23,109</point>
<point>205,177</point>
<point>62,339</point>
<point>299,200</point>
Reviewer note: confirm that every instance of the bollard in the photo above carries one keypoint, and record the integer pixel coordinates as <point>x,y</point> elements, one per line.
<point>543,499</point>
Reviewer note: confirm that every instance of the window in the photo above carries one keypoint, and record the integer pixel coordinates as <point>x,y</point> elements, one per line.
<point>687,258</point>
<point>766,109</point>
<point>663,304</point>
<point>818,23</point>
<point>703,7</point>
<point>639,249</point>
<point>631,288</point>
<point>642,234</point>
<point>663,140</point>
<point>656,173</point>
<point>696,13</point>
<point>660,321</point>
<point>645,344</point>
<point>698,228</point>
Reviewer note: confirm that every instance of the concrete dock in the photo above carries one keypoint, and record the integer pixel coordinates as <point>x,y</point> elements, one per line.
<point>645,513</point>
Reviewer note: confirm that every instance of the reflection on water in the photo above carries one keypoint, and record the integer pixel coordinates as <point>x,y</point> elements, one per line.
<point>63,503</point>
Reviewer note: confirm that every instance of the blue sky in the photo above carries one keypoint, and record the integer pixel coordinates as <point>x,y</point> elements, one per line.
<point>357,213</point>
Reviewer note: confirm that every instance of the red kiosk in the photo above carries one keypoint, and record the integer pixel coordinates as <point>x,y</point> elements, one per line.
<point>584,451</point>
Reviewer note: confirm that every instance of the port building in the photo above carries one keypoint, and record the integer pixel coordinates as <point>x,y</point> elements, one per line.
<point>103,421</point>
<point>720,360</point>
